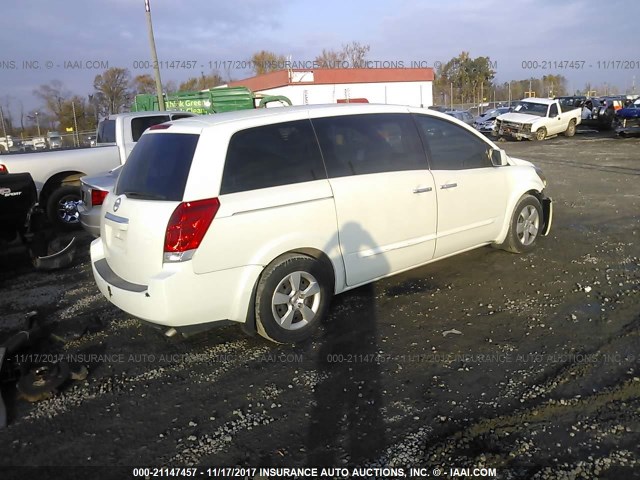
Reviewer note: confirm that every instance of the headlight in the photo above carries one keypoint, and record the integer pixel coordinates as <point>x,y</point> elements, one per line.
<point>527,128</point>
<point>541,175</point>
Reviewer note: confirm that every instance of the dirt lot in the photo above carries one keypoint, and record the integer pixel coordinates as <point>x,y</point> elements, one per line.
<point>543,380</point>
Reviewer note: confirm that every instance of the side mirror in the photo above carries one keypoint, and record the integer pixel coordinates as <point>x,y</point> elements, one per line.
<point>498,157</point>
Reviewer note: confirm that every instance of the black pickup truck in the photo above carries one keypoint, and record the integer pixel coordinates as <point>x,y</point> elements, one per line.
<point>22,220</point>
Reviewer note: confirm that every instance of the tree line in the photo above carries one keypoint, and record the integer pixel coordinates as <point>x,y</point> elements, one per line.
<point>461,80</point>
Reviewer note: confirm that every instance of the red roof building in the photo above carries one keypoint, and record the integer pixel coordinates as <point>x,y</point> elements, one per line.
<point>401,86</point>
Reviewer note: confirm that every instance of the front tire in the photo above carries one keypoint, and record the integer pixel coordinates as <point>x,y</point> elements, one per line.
<point>541,134</point>
<point>62,207</point>
<point>525,227</point>
<point>292,298</point>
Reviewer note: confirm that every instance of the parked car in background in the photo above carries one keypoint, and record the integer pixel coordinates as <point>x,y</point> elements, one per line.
<point>571,101</point>
<point>39,143</point>
<point>539,118</point>
<point>20,146</point>
<point>462,115</point>
<point>94,191</point>
<point>54,140</point>
<point>603,112</point>
<point>5,144</point>
<point>628,120</point>
<point>486,123</point>
<point>259,217</point>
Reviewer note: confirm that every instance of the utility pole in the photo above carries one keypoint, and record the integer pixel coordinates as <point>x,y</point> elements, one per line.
<point>76,141</point>
<point>451,96</point>
<point>154,57</point>
<point>37,122</point>
<point>4,128</point>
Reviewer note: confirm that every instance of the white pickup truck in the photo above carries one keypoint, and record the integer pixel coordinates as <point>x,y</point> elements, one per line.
<point>57,173</point>
<point>539,118</point>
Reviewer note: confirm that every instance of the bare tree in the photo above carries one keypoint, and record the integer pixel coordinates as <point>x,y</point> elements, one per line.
<point>113,87</point>
<point>144,83</point>
<point>265,62</point>
<point>170,87</point>
<point>53,95</point>
<point>331,59</point>
<point>202,82</point>
<point>355,53</point>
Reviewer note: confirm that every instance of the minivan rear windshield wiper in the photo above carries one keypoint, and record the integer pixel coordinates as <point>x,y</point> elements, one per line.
<point>144,195</point>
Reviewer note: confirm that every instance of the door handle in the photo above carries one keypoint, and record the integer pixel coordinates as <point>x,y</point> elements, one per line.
<point>422,189</point>
<point>448,185</point>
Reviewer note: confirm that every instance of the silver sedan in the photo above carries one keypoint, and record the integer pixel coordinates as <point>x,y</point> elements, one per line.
<point>94,191</point>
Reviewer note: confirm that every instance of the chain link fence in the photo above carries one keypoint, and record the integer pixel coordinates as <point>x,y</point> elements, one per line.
<point>478,108</point>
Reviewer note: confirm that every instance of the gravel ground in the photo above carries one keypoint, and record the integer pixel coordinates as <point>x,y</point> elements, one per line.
<point>526,364</point>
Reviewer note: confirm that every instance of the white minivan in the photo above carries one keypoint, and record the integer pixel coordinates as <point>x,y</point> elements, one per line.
<point>259,217</point>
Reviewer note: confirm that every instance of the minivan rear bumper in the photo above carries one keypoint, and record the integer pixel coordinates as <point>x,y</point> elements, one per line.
<point>177,296</point>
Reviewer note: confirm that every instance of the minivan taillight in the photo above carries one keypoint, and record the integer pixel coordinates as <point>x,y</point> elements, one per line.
<point>186,228</point>
<point>98,196</point>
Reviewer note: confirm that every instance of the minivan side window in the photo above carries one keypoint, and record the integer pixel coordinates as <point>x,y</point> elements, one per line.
<point>370,143</point>
<point>270,156</point>
<point>140,124</point>
<point>451,147</point>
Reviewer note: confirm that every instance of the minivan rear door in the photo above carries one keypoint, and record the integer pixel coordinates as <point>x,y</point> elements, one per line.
<point>150,187</point>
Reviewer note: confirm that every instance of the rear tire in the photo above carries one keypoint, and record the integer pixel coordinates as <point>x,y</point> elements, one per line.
<point>526,224</point>
<point>571,129</point>
<point>62,207</point>
<point>292,298</point>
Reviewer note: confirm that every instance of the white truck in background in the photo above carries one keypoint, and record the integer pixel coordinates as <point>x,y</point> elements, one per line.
<point>5,144</point>
<point>54,140</point>
<point>539,118</point>
<point>57,173</point>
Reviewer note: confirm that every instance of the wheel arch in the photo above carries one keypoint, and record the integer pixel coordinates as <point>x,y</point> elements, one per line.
<point>70,177</point>
<point>249,326</point>
<point>511,205</point>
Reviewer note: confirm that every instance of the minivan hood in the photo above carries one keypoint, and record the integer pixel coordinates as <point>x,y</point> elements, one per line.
<point>520,162</point>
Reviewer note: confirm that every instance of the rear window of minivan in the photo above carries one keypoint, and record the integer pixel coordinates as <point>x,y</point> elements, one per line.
<point>158,167</point>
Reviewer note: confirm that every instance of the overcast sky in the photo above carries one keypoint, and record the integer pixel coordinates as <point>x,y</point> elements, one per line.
<point>204,31</point>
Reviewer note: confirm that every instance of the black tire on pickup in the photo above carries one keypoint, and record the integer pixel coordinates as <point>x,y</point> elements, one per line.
<point>571,129</point>
<point>611,123</point>
<point>62,207</point>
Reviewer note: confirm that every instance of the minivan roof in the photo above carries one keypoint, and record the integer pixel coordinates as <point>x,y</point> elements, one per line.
<point>302,111</point>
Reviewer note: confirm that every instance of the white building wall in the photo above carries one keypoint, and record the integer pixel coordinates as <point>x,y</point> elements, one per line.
<point>415,94</point>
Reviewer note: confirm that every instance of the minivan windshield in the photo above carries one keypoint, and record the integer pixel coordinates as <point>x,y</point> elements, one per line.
<point>158,167</point>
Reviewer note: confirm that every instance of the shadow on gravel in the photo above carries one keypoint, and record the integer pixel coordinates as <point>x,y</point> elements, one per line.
<point>346,425</point>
